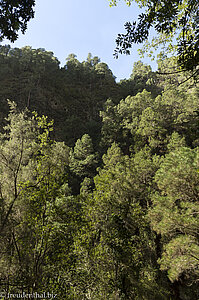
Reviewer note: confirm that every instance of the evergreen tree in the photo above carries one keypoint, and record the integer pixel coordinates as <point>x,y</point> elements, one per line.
<point>118,247</point>
<point>174,215</point>
<point>83,158</point>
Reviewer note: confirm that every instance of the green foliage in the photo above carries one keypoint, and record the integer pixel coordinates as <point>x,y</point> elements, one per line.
<point>175,214</point>
<point>117,250</point>
<point>141,78</point>
<point>175,24</point>
<point>32,171</point>
<point>129,232</point>
<point>141,70</point>
<point>14,16</point>
<point>72,95</point>
<point>82,157</point>
<point>142,120</point>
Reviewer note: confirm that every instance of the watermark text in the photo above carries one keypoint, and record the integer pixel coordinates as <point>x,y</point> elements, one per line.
<point>43,295</point>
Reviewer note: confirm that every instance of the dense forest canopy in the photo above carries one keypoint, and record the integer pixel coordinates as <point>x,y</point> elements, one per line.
<point>102,202</point>
<point>175,24</point>
<point>99,180</point>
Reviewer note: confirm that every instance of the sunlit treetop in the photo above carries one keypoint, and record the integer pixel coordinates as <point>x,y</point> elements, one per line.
<point>177,30</point>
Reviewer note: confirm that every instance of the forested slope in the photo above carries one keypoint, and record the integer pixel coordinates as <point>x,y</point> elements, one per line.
<point>102,204</point>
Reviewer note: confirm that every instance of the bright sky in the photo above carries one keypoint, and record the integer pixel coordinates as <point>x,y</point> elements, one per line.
<point>80,27</point>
